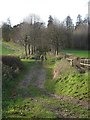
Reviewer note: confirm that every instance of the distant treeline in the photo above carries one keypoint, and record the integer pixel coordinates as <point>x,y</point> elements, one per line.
<point>34,35</point>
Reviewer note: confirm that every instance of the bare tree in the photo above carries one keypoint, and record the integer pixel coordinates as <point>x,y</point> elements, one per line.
<point>32,31</point>
<point>56,36</point>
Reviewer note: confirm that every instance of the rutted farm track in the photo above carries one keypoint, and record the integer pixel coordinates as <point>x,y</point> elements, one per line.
<point>37,102</point>
<point>32,87</point>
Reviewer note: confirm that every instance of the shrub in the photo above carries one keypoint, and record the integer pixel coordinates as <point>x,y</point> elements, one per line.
<point>13,62</point>
<point>8,81</point>
<point>7,75</point>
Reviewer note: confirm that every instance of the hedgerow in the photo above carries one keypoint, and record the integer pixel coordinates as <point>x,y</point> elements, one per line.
<point>11,67</point>
<point>13,62</point>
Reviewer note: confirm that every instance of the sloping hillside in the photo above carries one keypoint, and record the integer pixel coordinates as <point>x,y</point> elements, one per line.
<point>10,48</point>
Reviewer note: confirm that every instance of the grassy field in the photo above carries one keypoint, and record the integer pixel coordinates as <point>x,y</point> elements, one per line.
<point>79,53</point>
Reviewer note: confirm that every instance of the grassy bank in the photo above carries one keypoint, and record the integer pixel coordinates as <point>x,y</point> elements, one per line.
<point>66,80</point>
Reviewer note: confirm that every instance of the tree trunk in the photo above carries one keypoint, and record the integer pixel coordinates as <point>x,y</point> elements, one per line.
<point>34,49</point>
<point>26,50</point>
<point>57,50</point>
<point>29,49</point>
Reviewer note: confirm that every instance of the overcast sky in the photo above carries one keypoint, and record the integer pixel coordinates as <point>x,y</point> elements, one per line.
<point>17,10</point>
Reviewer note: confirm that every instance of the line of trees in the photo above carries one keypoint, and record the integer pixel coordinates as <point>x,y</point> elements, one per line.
<point>35,36</point>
